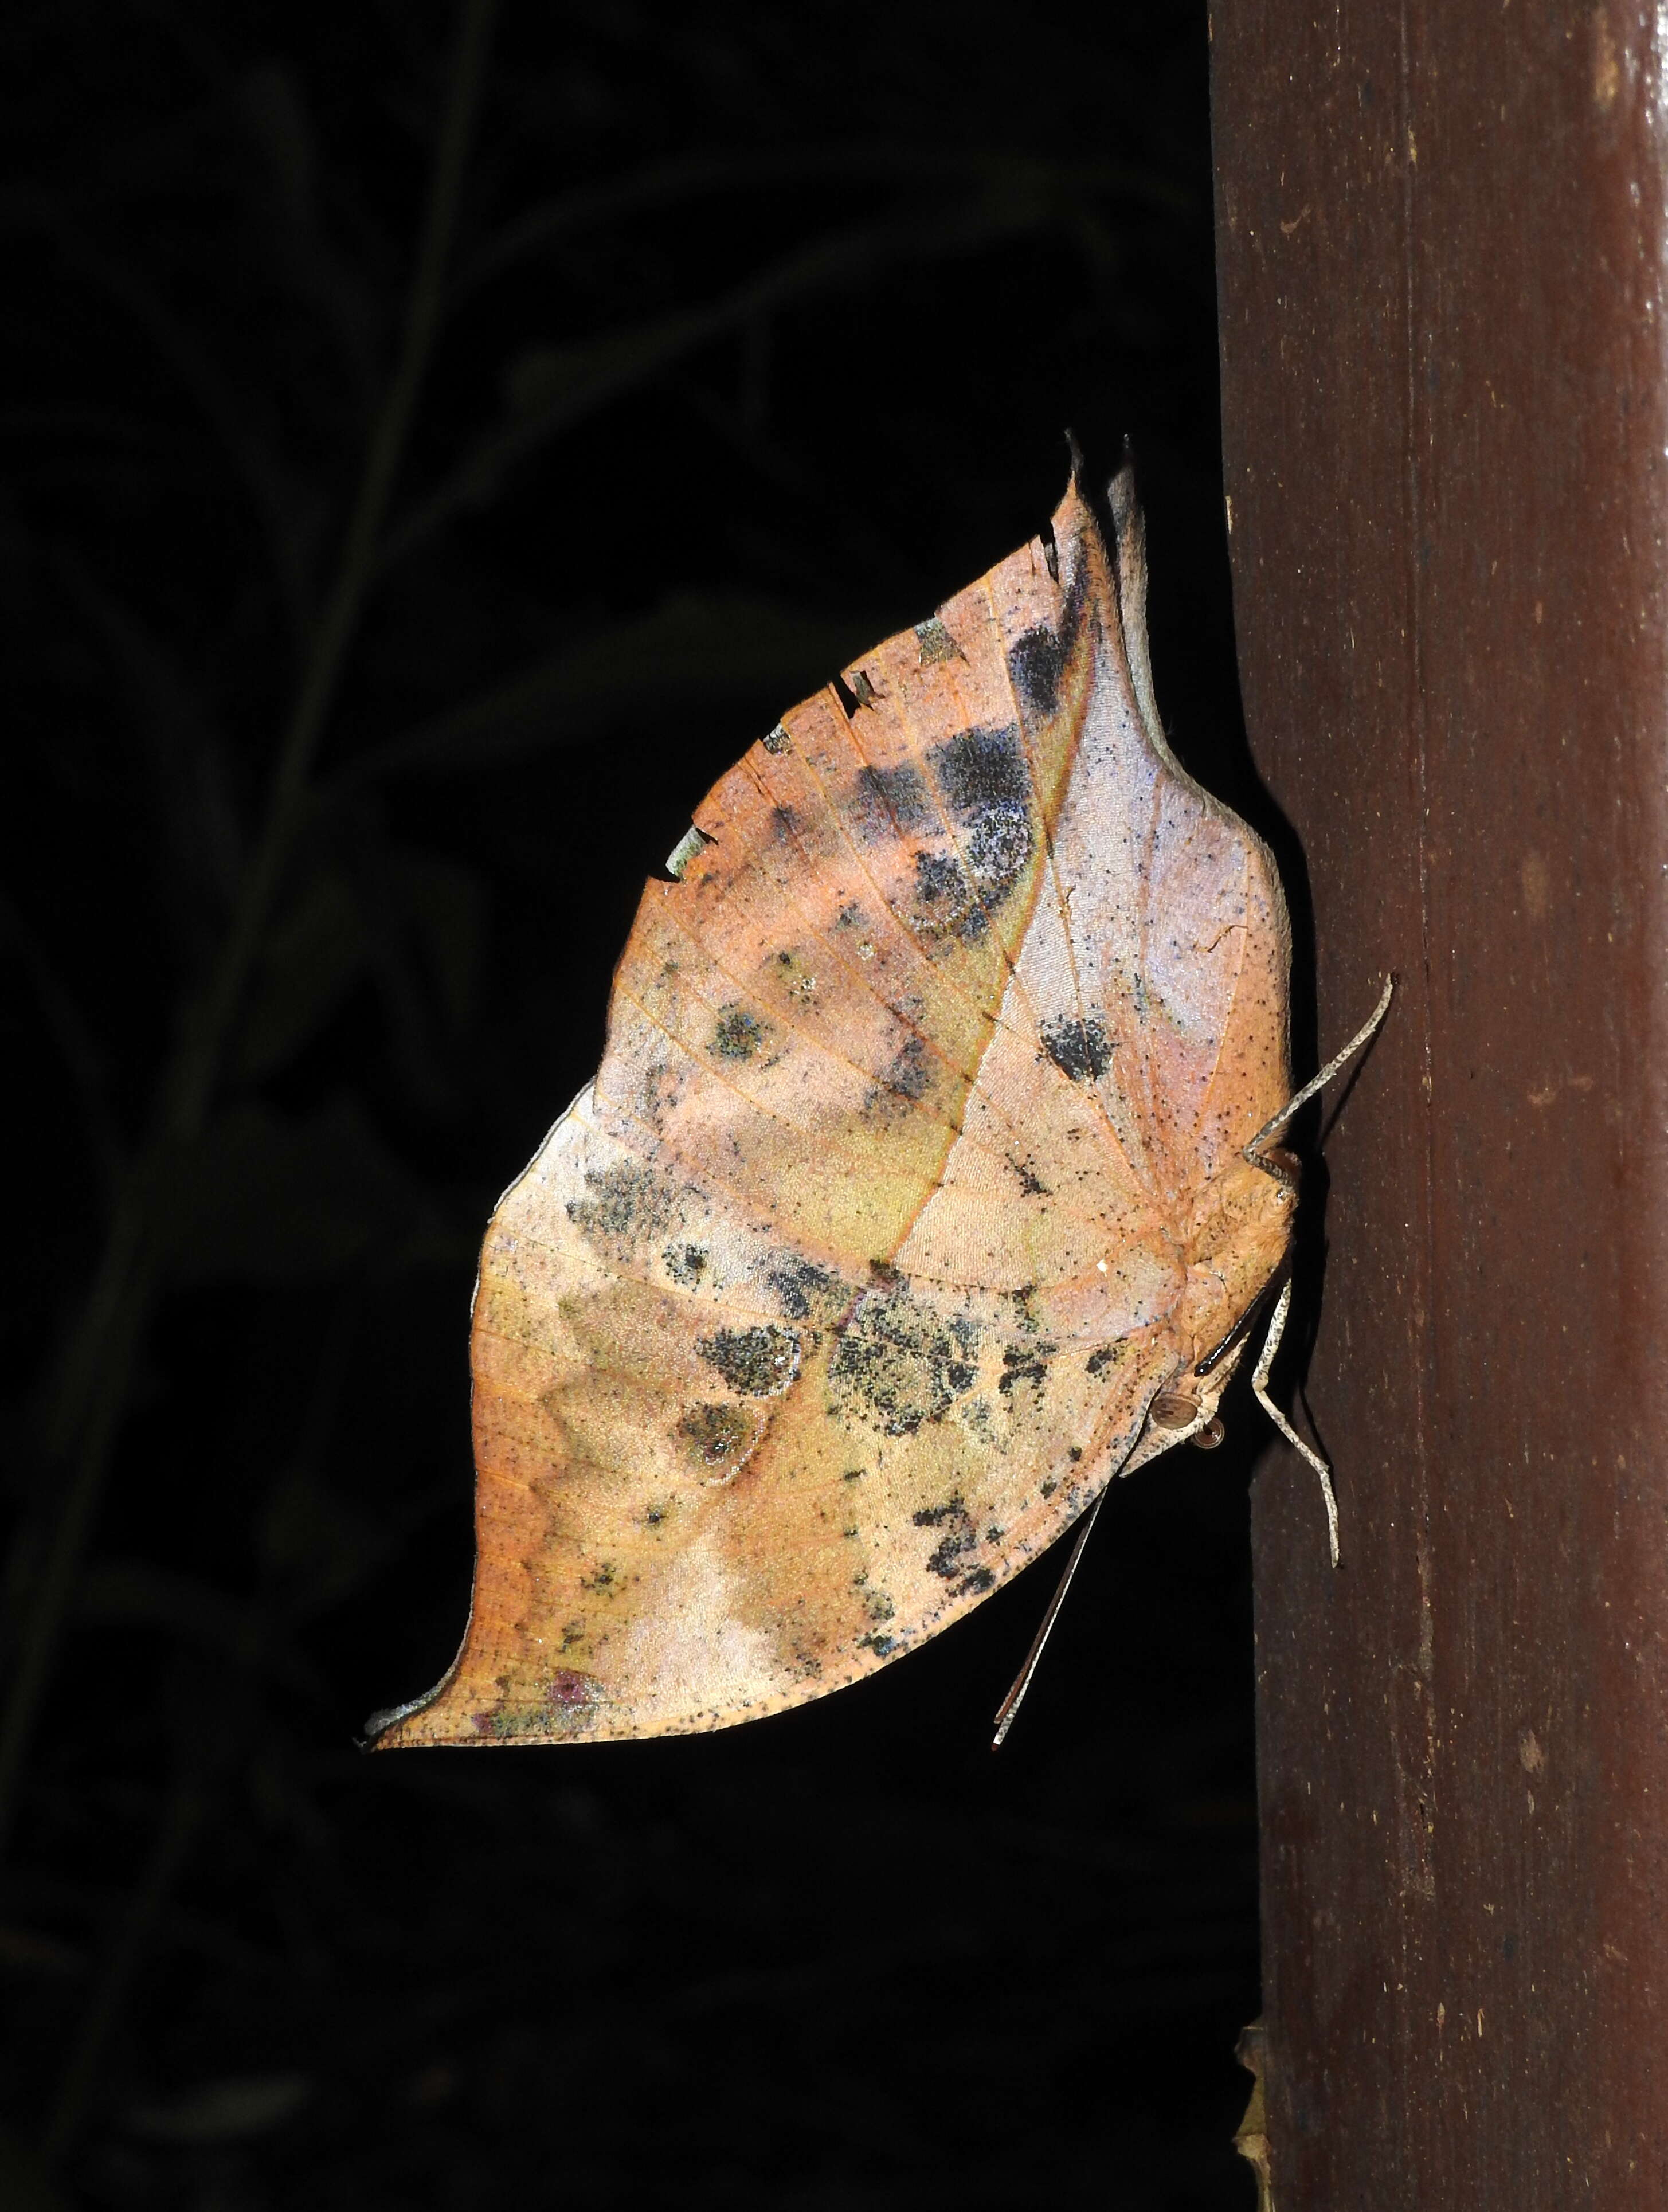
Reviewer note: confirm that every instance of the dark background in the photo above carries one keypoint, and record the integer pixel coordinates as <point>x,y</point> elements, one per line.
<point>760,329</point>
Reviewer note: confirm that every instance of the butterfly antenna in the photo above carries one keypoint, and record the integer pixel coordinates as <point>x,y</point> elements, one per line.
<point>1015,1698</point>
<point>1338,1059</point>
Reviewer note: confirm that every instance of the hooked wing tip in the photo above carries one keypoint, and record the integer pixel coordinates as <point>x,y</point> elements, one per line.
<point>1123,505</point>
<point>370,1737</point>
<point>1121,499</point>
<point>380,1731</point>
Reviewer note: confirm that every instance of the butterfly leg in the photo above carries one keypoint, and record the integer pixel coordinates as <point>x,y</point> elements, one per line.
<point>1255,1150</point>
<point>1276,1329</point>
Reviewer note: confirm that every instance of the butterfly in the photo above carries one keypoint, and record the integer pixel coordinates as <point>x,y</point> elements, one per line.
<point>927,1184</point>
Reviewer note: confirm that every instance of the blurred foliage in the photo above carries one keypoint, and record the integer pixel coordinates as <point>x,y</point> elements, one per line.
<point>360,667</point>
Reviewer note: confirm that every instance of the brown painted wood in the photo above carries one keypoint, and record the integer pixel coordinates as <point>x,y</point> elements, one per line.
<point>1441,241</point>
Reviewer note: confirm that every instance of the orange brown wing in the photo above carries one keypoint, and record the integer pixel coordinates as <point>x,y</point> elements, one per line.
<point>910,1177</point>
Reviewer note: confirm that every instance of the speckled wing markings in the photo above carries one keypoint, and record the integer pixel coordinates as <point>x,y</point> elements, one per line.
<point>908,1195</point>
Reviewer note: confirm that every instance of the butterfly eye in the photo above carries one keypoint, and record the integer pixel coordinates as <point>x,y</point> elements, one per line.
<point>1171,1411</point>
<point>1209,1436</point>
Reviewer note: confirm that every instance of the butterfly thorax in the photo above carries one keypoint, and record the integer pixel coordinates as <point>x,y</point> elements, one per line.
<point>1237,1238</point>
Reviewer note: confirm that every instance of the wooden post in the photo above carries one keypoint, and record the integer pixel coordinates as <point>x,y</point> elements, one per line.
<point>1441,240</point>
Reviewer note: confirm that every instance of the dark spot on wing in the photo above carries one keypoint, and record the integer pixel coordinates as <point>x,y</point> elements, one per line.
<point>910,1071</point>
<point>715,1433</point>
<point>983,776</point>
<point>685,1263</point>
<point>626,1206</point>
<point>982,768</point>
<point>801,1284</point>
<point>949,1558</point>
<point>900,792</point>
<point>1028,1181</point>
<point>1098,1362</point>
<point>1081,1049</point>
<point>1035,664</point>
<point>944,904</point>
<point>958,1538</point>
<point>897,1366</point>
<point>758,1363</point>
<point>738,1034</point>
<point>908,1078</point>
<point>1026,1363</point>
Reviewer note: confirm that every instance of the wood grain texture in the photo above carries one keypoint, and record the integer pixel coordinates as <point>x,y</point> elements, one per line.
<point>1441,239</point>
<point>909,1195</point>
